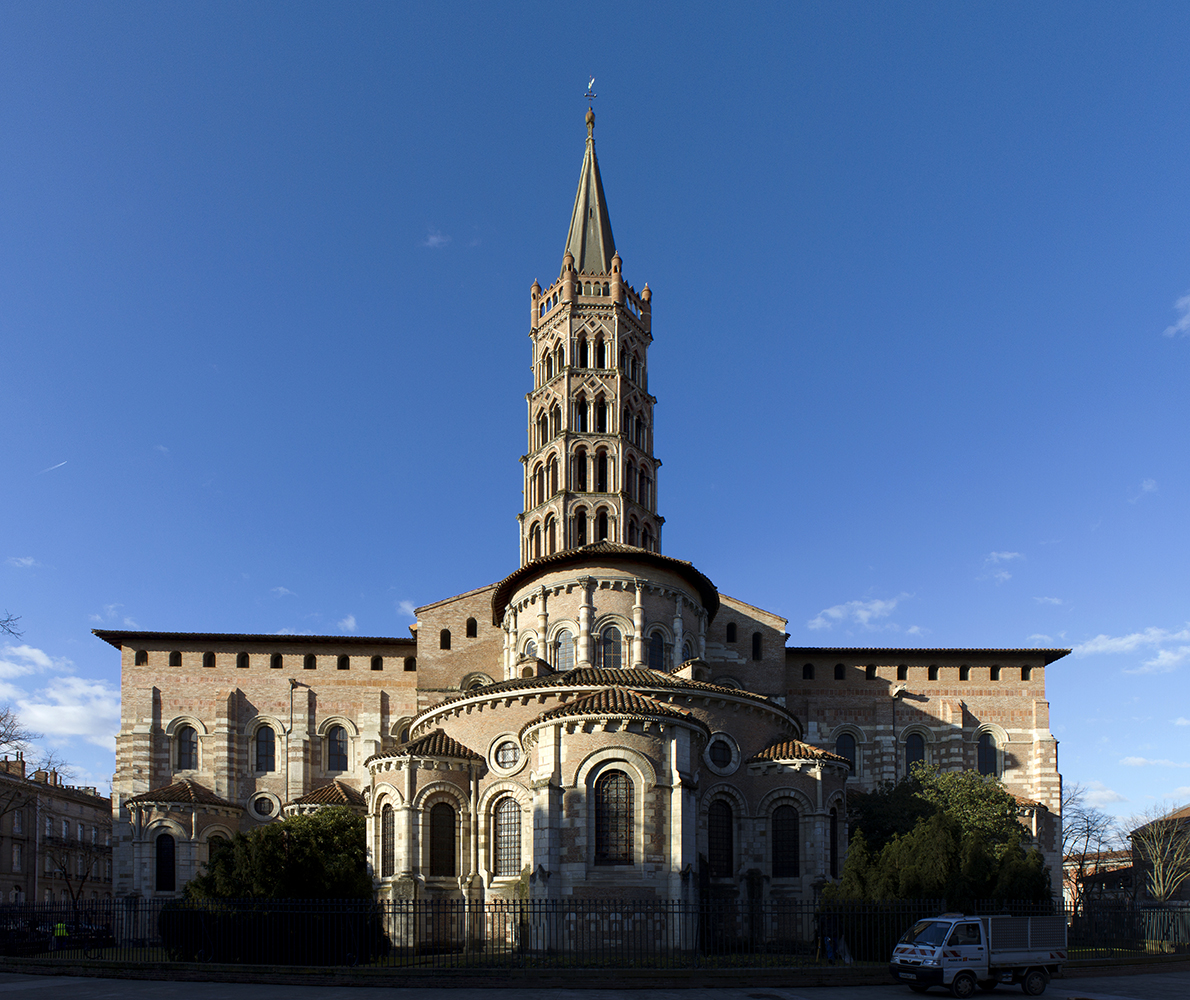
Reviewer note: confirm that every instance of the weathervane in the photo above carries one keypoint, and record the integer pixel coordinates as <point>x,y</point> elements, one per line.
<point>590,95</point>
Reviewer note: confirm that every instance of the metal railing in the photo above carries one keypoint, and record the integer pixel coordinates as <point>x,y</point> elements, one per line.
<point>546,934</point>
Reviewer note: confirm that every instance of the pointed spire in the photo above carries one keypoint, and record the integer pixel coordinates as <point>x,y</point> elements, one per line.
<point>590,238</point>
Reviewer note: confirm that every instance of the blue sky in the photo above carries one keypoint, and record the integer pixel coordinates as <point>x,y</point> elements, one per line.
<point>921,318</point>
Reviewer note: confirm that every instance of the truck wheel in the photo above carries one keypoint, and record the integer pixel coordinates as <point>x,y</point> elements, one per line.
<point>1034,983</point>
<point>963,986</point>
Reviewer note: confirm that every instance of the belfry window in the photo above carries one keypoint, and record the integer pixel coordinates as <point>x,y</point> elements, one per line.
<point>646,539</point>
<point>630,480</point>
<point>543,429</point>
<point>601,472</point>
<point>442,840</point>
<point>266,749</point>
<point>551,535</point>
<point>786,843</point>
<point>601,354</point>
<point>610,644</point>
<point>535,542</point>
<point>553,474</point>
<point>720,846</point>
<point>555,420</point>
<point>600,417</point>
<point>601,526</point>
<point>336,749</point>
<point>580,414</point>
<point>583,358</point>
<point>580,527</point>
<point>613,818</point>
<point>580,470</point>
<point>632,533</point>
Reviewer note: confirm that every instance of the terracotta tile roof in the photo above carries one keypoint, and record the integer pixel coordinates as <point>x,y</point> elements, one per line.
<point>797,750</point>
<point>184,790</point>
<point>435,744</point>
<point>1031,803</point>
<point>901,652</point>
<point>614,551</point>
<point>120,638</point>
<point>334,794</point>
<point>616,701</point>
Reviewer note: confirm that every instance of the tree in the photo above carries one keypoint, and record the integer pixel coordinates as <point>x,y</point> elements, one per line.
<point>318,856</point>
<point>1088,834</point>
<point>77,862</point>
<point>8,625</point>
<point>1161,849</point>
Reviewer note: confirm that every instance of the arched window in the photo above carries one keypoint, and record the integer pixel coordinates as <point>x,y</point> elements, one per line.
<point>657,651</point>
<point>551,535</point>
<point>601,353</point>
<point>507,839</point>
<point>964,673</point>
<point>1026,673</point>
<point>757,651</point>
<point>580,414</point>
<point>583,355</point>
<point>531,649</point>
<point>336,749</point>
<point>609,648</point>
<point>142,658</point>
<point>187,741</point>
<point>444,639</point>
<point>559,359</point>
<point>807,671</point>
<point>344,663</point>
<point>472,628</point>
<point>915,751</point>
<point>377,662</point>
<point>208,659</point>
<point>580,526</point>
<point>632,533</point>
<point>536,486</point>
<point>987,755</point>
<point>731,631</point>
<point>549,366</point>
<point>175,658</point>
<point>630,480</point>
<point>553,475</point>
<point>644,493</point>
<point>242,661</point>
<point>601,473</point>
<point>410,663</point>
<point>266,749</point>
<point>564,660</point>
<point>834,844</point>
<point>276,661</point>
<point>786,843</point>
<point>902,673</point>
<point>555,420</point>
<point>601,526</point>
<point>309,662</point>
<point>933,673</point>
<point>535,542</point>
<point>600,417</point>
<point>646,539</point>
<point>166,863</point>
<point>720,845</point>
<point>580,470</point>
<point>995,674</point>
<point>613,819</point>
<point>845,747</point>
<point>442,839</point>
<point>840,672</point>
<point>543,429</point>
<point>388,841</point>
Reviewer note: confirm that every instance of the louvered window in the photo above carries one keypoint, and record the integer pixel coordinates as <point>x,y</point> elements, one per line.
<point>719,838</point>
<point>613,819</point>
<point>388,834</point>
<point>786,843</point>
<point>442,839</point>
<point>508,837</point>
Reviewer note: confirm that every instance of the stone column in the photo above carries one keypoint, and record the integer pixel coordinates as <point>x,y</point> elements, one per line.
<point>639,653</point>
<point>545,782</point>
<point>583,651</point>
<point>702,635</point>
<point>543,625</point>
<point>679,635</point>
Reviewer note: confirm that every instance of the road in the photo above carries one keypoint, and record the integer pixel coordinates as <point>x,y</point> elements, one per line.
<point>16,986</point>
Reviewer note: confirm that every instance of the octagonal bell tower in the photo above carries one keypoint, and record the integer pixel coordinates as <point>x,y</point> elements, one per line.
<point>590,474</point>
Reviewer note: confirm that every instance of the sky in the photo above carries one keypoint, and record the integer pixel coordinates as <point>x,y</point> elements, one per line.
<point>921,311</point>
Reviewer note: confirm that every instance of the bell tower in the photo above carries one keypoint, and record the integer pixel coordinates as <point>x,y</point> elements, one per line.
<point>590,474</point>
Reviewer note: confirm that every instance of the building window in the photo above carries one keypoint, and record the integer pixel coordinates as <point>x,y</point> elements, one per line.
<point>807,671</point>
<point>564,660</point>
<point>613,819</point>
<point>472,628</point>
<point>344,663</point>
<point>242,660</point>
<point>508,755</point>
<point>276,661</point>
<point>410,662</point>
<point>442,839</point>
<point>18,857</point>
<point>964,673</point>
<point>902,673</point>
<point>142,658</point>
<point>720,846</point>
<point>65,829</point>
<point>444,639</point>
<point>845,747</point>
<point>377,662</point>
<point>507,840</point>
<point>266,749</point>
<point>786,843</point>
<point>187,741</point>
<point>601,472</point>
<point>18,821</point>
<point>656,651</point>
<point>933,673</point>
<point>719,752</point>
<point>834,844</point>
<point>995,675</point>
<point>530,650</point>
<point>49,826</point>
<point>388,836</point>
<point>609,648</point>
<point>840,672</point>
<point>336,749</point>
<point>756,646</point>
<point>601,526</point>
<point>166,879</point>
<point>175,659</point>
<point>580,526</point>
<point>870,672</point>
<point>309,662</point>
<point>208,659</point>
<point>1026,673</point>
<point>987,754</point>
<point>580,470</point>
<point>915,751</point>
<point>731,631</point>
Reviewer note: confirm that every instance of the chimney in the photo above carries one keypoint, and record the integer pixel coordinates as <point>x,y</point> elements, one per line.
<point>40,775</point>
<point>15,767</point>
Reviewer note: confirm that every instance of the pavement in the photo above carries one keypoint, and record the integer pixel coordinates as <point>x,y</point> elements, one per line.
<point>18,986</point>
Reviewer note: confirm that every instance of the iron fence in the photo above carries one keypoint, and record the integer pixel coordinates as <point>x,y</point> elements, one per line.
<point>547,934</point>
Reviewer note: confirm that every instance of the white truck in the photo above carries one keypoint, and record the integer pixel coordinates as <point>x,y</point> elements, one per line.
<point>969,953</point>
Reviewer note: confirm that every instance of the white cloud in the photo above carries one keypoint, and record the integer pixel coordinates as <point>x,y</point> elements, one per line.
<point>1001,576</point>
<point>74,706</point>
<point>292,631</point>
<point>1182,326</point>
<point>283,592</point>
<point>406,608</point>
<point>346,624</point>
<point>999,557</point>
<point>1181,720</point>
<point>1049,600</point>
<point>161,448</point>
<point>1169,655</point>
<point>1146,762</point>
<point>1038,637</point>
<point>435,240</point>
<point>1099,795</point>
<point>22,562</point>
<point>862,613</point>
<point>1147,487</point>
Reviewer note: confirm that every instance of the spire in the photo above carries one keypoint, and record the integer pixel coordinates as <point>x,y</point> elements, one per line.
<point>590,239</point>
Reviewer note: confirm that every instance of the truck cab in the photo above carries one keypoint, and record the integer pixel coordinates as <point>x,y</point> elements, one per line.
<point>965,953</point>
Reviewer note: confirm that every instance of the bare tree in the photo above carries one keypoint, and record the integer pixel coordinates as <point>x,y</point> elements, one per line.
<point>77,862</point>
<point>1088,838</point>
<point>1161,849</point>
<point>8,625</point>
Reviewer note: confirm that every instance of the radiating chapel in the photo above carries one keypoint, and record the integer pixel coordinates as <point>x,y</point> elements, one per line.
<point>602,722</point>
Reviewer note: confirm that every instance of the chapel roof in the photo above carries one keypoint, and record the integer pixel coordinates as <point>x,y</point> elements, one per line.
<point>434,744</point>
<point>333,794</point>
<point>184,790</point>
<point>605,551</point>
<point>616,702</point>
<point>797,750</point>
<point>589,240</point>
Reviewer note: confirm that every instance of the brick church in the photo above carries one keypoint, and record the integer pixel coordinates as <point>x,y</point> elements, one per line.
<point>602,722</point>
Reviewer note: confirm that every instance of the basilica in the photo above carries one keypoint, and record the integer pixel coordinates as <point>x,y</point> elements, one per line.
<point>601,723</point>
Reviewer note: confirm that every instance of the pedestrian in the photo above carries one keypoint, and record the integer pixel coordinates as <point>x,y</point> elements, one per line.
<point>60,934</point>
